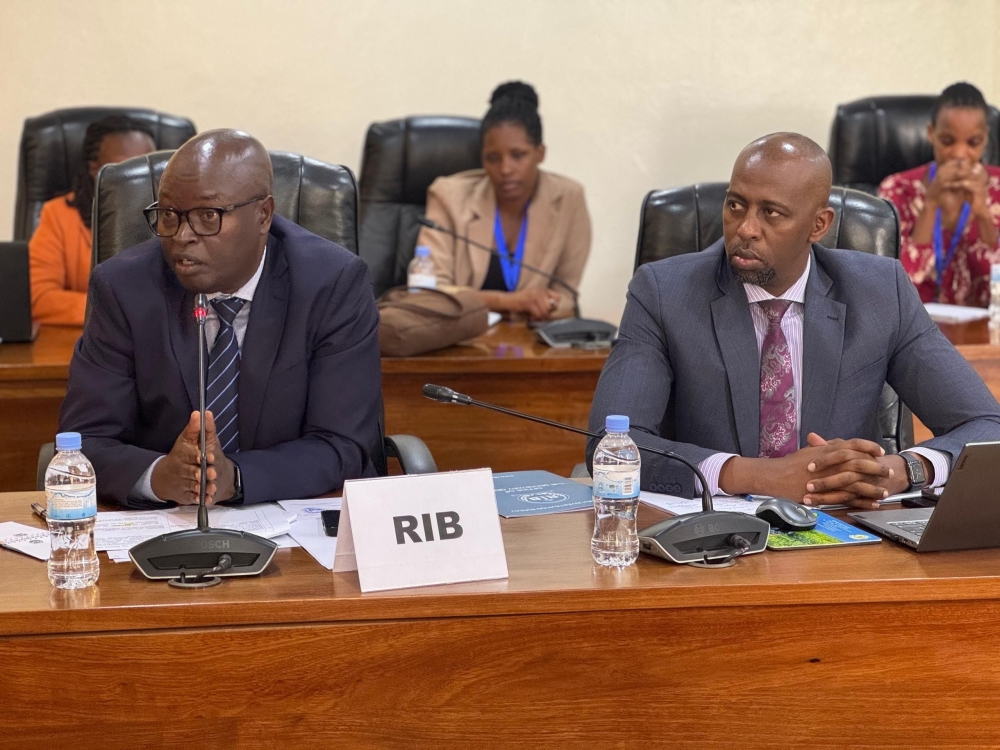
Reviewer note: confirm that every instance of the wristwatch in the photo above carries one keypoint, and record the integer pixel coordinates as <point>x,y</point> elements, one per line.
<point>914,471</point>
<point>237,498</point>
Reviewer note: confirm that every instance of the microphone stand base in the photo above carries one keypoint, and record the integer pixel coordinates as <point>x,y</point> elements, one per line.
<point>198,582</point>
<point>703,537</point>
<point>579,332</point>
<point>197,552</point>
<point>723,563</point>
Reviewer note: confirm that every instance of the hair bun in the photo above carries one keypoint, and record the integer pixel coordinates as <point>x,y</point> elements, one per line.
<point>515,90</point>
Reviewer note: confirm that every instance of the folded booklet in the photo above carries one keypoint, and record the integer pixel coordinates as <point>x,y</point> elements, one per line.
<point>536,493</point>
<point>829,532</point>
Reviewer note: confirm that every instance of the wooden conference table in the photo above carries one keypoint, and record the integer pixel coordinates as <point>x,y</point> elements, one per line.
<point>866,647</point>
<point>506,365</point>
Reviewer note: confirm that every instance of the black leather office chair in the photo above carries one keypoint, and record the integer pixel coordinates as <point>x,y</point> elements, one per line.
<point>50,150</point>
<point>689,219</point>
<point>320,197</point>
<point>875,137</point>
<point>401,160</point>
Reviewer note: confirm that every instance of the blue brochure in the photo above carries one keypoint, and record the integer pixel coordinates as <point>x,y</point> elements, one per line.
<point>829,532</point>
<point>535,493</point>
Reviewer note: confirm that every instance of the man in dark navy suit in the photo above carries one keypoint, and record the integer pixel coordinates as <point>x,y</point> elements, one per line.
<point>293,386</point>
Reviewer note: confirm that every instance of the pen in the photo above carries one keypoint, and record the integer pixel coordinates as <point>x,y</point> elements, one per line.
<point>38,510</point>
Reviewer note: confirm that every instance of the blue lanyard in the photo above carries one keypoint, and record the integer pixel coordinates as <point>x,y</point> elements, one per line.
<point>511,264</point>
<point>941,260</point>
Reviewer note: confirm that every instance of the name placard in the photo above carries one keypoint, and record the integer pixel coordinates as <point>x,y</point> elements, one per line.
<point>420,530</point>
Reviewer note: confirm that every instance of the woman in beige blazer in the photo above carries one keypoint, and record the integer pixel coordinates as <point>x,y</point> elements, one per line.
<point>513,206</point>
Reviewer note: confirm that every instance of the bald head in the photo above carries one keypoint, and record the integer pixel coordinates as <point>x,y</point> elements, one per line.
<point>777,205</point>
<point>801,157</point>
<point>219,184</point>
<point>230,157</point>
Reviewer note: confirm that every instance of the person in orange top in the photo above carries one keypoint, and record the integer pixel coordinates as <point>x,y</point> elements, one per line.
<point>59,249</point>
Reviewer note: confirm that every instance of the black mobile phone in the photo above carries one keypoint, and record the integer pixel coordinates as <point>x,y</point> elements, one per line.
<point>331,520</point>
<point>928,499</point>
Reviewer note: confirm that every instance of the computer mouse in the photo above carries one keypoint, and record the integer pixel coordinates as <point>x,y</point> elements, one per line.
<point>785,515</point>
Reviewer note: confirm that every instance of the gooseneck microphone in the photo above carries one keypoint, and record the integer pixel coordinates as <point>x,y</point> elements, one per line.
<point>575,331</point>
<point>201,557</point>
<point>201,315</point>
<point>448,396</point>
<point>710,538</point>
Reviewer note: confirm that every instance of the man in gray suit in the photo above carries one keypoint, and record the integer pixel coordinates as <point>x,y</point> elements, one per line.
<point>761,359</point>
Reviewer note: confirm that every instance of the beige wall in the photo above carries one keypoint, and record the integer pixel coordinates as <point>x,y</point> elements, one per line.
<point>635,95</point>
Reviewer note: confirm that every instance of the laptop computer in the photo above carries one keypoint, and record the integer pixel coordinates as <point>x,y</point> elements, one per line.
<point>15,294</point>
<point>967,515</point>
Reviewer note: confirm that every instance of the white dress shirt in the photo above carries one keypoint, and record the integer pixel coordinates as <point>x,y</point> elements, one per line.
<point>791,326</point>
<point>143,488</point>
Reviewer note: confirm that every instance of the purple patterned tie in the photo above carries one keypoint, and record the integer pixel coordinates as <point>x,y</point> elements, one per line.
<point>778,436</point>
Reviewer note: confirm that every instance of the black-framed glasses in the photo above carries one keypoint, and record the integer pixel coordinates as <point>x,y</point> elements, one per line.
<point>204,221</point>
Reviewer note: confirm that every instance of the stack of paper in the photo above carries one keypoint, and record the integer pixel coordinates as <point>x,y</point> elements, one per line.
<point>290,523</point>
<point>942,313</point>
<point>116,532</point>
<point>737,503</point>
<point>682,505</point>
<point>307,528</point>
<point>26,539</point>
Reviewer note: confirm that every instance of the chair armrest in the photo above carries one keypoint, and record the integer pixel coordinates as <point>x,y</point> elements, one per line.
<point>44,457</point>
<point>413,454</point>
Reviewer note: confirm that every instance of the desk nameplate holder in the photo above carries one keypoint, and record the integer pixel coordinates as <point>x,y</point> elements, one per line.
<point>420,530</point>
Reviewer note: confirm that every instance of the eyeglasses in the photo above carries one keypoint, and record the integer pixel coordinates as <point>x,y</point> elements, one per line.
<point>204,221</point>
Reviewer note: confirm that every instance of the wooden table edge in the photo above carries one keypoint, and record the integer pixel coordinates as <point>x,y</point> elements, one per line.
<point>31,375</point>
<point>188,614</point>
<point>471,366</point>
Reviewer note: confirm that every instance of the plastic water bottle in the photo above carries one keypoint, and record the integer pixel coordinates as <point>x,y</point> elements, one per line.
<point>420,273</point>
<point>616,496</point>
<point>994,309</point>
<point>71,495</point>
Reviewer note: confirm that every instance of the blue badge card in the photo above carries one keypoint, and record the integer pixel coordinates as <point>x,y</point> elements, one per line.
<point>829,532</point>
<point>536,493</point>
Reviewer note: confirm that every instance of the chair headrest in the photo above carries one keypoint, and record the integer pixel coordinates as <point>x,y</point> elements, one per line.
<point>317,196</point>
<point>51,146</point>
<point>875,137</point>
<point>403,157</point>
<point>689,219</point>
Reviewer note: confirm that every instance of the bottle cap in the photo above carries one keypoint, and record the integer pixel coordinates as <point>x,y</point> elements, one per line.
<point>68,441</point>
<point>423,251</point>
<point>616,423</point>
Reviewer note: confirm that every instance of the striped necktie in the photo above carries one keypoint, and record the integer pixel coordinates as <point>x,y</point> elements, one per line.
<point>222,392</point>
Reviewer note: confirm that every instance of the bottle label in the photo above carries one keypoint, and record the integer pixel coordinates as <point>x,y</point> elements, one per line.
<point>421,281</point>
<point>616,483</point>
<point>71,505</point>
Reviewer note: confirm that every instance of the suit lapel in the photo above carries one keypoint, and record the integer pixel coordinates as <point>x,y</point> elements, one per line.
<point>822,346</point>
<point>263,336</point>
<point>738,343</point>
<point>183,334</point>
<point>543,216</point>
<point>479,228</point>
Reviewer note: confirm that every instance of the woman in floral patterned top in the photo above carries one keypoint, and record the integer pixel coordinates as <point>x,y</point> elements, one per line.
<point>949,210</point>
